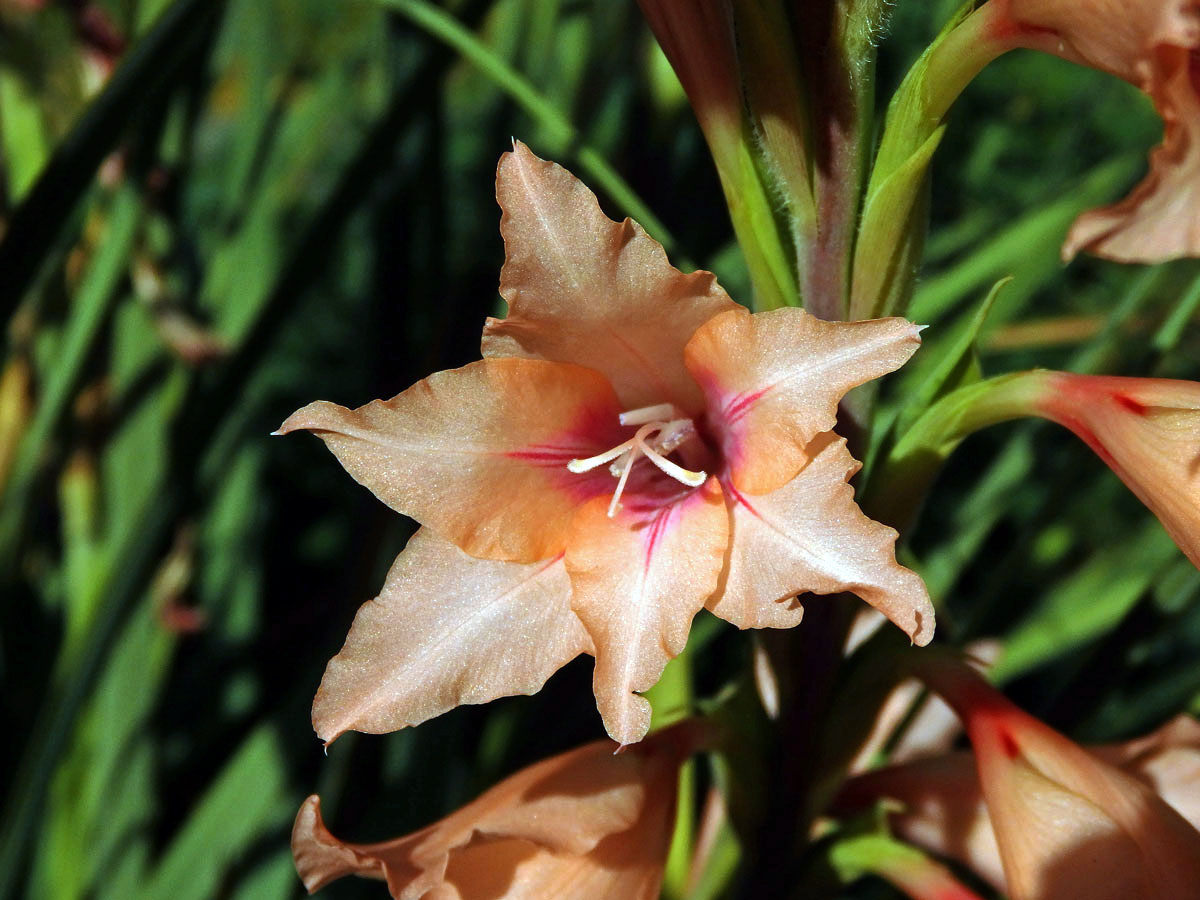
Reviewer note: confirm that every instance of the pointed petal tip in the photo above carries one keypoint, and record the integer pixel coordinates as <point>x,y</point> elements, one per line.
<point>313,417</point>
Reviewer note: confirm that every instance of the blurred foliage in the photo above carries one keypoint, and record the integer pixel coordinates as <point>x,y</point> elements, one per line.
<point>214,212</point>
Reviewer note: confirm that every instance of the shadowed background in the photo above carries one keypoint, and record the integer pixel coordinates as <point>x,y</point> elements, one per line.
<point>215,212</point>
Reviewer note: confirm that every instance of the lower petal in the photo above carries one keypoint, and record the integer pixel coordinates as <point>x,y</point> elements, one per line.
<point>637,580</point>
<point>448,629</point>
<point>810,536</point>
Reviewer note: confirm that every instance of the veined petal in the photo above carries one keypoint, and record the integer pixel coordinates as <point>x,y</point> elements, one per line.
<point>772,381</point>
<point>479,454</point>
<point>582,288</point>
<point>448,629</point>
<point>637,581</point>
<point>810,536</point>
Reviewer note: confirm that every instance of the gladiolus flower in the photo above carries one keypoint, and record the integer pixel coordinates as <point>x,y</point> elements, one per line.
<point>584,824</point>
<point>1152,44</point>
<point>1041,817</point>
<point>634,446</point>
<point>1147,430</point>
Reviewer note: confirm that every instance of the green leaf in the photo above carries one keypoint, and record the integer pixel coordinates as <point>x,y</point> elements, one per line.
<point>1088,603</point>
<point>246,802</point>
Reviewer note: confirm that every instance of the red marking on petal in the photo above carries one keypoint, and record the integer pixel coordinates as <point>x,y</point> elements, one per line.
<point>741,405</point>
<point>548,455</point>
<point>739,497</point>
<point>656,531</point>
<point>1127,402</point>
<point>1008,744</point>
<point>1005,29</point>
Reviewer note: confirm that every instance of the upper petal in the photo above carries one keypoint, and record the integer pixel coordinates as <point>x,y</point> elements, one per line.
<point>772,382</point>
<point>479,454</point>
<point>810,536</point>
<point>637,580</point>
<point>582,288</point>
<point>448,629</point>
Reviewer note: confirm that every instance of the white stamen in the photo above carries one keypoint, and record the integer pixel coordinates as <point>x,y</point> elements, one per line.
<point>679,473</point>
<point>579,466</point>
<point>669,434</point>
<point>674,435</point>
<point>647,414</point>
<point>639,443</point>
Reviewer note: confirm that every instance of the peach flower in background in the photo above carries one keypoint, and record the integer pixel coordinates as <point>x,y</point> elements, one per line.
<point>1152,44</point>
<point>1039,816</point>
<point>1148,432</point>
<point>633,446</point>
<point>585,824</point>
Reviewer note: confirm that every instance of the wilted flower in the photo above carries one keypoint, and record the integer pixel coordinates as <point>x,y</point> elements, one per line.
<point>1147,430</point>
<point>584,824</point>
<point>1040,816</point>
<point>633,446</point>
<point>1152,44</point>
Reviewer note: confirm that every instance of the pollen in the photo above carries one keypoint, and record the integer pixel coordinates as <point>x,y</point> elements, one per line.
<point>662,430</point>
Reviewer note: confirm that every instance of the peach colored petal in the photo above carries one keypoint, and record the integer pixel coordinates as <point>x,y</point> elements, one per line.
<point>932,729</point>
<point>810,536</point>
<point>582,288</point>
<point>479,454</point>
<point>1148,431</point>
<point>637,581</point>
<point>1152,45</point>
<point>587,823</point>
<point>1167,761</point>
<point>773,381</point>
<point>448,629</point>
<point>942,809</point>
<point>1115,36</point>
<point>1160,219</point>
<point>1068,824</point>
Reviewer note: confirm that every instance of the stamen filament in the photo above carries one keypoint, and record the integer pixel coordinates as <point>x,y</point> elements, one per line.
<point>679,473</point>
<point>579,466</point>
<point>669,434</point>
<point>647,414</point>
<point>616,497</point>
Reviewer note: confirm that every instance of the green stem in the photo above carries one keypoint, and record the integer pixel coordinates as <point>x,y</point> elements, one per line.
<point>671,701</point>
<point>900,483</point>
<point>893,222</point>
<point>567,139</point>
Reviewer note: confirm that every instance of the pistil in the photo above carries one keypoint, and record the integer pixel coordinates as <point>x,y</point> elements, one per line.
<point>662,431</point>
